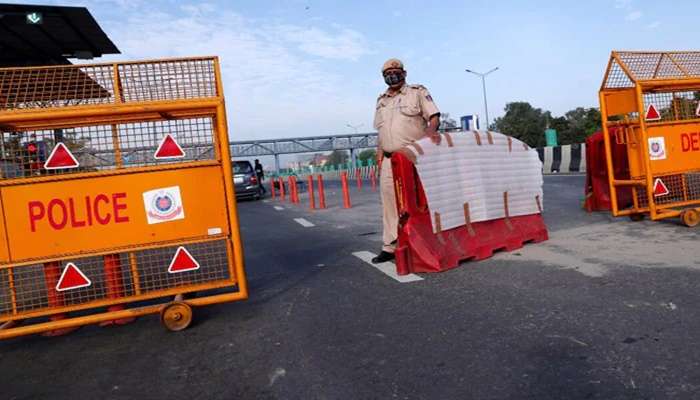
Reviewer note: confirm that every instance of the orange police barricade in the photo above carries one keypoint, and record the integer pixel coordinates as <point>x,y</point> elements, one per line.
<point>476,193</point>
<point>120,181</point>
<point>648,104</point>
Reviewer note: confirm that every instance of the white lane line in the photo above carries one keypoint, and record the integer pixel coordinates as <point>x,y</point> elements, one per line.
<point>278,208</point>
<point>266,201</point>
<point>388,268</point>
<point>304,223</point>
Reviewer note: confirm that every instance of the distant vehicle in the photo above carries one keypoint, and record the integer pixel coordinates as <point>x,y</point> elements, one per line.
<point>245,180</point>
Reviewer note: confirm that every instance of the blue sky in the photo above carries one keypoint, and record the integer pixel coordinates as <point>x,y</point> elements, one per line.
<point>309,67</point>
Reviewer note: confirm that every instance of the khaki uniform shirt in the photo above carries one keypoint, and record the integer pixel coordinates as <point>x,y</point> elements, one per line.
<point>402,118</point>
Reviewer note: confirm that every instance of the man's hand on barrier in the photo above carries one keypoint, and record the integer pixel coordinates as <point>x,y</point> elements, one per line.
<point>431,129</point>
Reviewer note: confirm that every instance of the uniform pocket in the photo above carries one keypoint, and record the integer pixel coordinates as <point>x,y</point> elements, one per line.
<point>410,108</point>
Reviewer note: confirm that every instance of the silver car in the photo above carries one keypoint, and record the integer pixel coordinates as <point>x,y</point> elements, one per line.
<point>245,181</point>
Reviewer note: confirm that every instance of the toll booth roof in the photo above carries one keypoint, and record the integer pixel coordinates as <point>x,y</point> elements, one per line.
<point>627,68</point>
<point>33,35</point>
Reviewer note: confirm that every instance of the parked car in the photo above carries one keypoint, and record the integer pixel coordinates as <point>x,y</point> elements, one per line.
<point>245,180</point>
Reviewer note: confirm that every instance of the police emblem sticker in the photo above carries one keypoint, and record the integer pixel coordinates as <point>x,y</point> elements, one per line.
<point>657,148</point>
<point>163,205</point>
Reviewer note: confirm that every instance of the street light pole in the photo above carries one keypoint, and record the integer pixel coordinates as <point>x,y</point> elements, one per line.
<point>483,84</point>
<point>353,157</point>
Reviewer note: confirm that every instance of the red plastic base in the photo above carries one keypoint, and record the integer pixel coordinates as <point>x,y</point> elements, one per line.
<point>597,186</point>
<point>424,251</point>
<point>421,250</point>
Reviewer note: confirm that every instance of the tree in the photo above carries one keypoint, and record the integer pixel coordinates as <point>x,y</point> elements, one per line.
<point>338,157</point>
<point>369,154</point>
<point>524,122</point>
<point>582,122</point>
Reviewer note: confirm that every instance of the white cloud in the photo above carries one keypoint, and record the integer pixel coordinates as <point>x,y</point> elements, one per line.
<point>654,25</point>
<point>634,15</point>
<point>623,3</point>
<point>339,44</point>
<point>279,78</point>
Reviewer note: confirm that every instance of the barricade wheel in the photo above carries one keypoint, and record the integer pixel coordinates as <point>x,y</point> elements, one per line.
<point>176,316</point>
<point>690,217</point>
<point>637,217</point>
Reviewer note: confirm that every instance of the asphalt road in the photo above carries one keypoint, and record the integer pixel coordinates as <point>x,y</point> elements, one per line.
<point>606,309</point>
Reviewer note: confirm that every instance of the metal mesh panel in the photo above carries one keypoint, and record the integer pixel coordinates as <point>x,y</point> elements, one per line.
<point>642,199</point>
<point>674,183</point>
<point>692,182</point>
<point>674,106</point>
<point>30,286</point>
<point>641,65</point>
<point>689,62</point>
<point>681,187</point>
<point>64,86</point>
<point>55,86</point>
<point>211,256</point>
<point>168,80</point>
<point>35,284</point>
<point>94,147</point>
<point>617,78</point>
<point>658,65</point>
<point>5,292</point>
<point>139,141</point>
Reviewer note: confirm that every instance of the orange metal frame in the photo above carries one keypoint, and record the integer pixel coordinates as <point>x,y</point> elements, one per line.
<point>120,111</point>
<point>629,77</point>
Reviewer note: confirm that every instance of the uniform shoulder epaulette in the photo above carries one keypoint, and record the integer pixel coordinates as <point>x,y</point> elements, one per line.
<point>415,86</point>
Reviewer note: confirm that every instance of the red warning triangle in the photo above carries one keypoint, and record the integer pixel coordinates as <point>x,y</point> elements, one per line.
<point>182,261</point>
<point>652,113</point>
<point>660,188</point>
<point>72,278</point>
<point>168,148</point>
<point>60,158</point>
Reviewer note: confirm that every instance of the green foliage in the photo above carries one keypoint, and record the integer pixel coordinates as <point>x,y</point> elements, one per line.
<point>367,155</point>
<point>338,157</point>
<point>523,121</point>
<point>581,123</point>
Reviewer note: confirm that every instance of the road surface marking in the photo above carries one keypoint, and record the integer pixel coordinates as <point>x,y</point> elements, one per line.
<point>304,223</point>
<point>388,268</point>
<point>278,208</point>
<point>266,201</point>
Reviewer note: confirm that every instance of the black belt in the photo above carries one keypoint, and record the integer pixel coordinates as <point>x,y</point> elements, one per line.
<point>387,154</point>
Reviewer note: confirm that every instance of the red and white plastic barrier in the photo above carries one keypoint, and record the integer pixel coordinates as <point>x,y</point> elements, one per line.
<point>476,193</point>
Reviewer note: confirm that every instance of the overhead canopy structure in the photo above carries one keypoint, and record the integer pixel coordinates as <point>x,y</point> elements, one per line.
<point>627,68</point>
<point>46,35</point>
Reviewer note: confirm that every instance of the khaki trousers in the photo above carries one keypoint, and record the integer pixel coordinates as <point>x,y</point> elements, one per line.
<point>390,215</point>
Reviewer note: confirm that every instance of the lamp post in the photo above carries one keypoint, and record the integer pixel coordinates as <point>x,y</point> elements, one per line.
<point>483,84</point>
<point>352,150</point>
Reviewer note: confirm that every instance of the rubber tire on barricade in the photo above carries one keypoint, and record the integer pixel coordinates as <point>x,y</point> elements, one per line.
<point>419,249</point>
<point>176,316</point>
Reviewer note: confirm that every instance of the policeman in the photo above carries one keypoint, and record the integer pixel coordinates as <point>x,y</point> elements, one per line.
<point>404,114</point>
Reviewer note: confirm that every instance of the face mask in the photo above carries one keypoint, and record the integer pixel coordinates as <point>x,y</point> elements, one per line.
<point>393,78</point>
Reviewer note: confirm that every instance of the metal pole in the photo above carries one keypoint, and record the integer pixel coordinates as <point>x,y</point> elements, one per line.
<point>483,84</point>
<point>277,163</point>
<point>486,104</point>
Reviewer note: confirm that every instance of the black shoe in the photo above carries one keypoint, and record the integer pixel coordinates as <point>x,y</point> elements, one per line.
<point>384,256</point>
